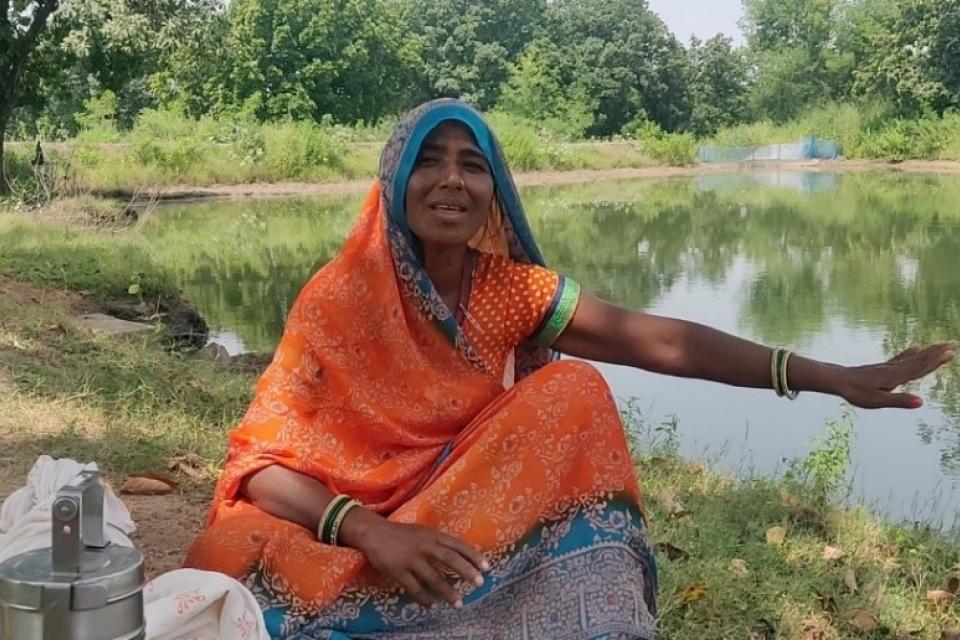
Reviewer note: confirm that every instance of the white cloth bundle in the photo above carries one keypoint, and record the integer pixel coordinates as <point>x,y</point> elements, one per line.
<point>185,604</point>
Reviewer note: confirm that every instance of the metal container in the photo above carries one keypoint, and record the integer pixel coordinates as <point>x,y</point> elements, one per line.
<point>80,588</point>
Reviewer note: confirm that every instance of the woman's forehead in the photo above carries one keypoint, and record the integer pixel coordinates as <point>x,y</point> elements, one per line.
<point>451,131</point>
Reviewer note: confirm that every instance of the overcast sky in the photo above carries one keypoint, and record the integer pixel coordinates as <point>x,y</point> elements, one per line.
<point>701,18</point>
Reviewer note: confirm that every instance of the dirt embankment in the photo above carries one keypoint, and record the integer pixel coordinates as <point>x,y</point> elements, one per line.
<point>532,179</point>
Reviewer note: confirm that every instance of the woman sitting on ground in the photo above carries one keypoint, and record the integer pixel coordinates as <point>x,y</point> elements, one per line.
<point>416,465</point>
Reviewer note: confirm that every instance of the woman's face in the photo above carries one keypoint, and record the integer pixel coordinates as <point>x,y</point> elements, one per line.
<point>450,191</point>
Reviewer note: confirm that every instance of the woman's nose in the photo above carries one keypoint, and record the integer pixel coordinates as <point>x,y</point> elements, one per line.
<point>452,177</point>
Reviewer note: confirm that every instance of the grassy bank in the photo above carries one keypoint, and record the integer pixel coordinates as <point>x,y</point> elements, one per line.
<point>165,148</point>
<point>863,132</point>
<point>726,570</point>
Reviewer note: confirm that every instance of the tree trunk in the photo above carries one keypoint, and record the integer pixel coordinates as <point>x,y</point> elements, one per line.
<point>4,186</point>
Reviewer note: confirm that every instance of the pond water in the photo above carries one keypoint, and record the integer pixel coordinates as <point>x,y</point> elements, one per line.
<point>846,268</point>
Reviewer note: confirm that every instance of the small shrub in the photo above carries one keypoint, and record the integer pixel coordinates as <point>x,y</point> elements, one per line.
<point>173,157</point>
<point>298,149</point>
<point>675,149</point>
<point>525,148</point>
<point>824,470</point>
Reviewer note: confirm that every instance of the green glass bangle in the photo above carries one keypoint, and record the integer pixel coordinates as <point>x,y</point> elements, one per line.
<point>341,516</point>
<point>330,524</point>
<point>326,520</point>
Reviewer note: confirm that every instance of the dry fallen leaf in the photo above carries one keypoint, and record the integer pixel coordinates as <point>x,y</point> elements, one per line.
<point>739,568</point>
<point>863,621</point>
<point>671,551</point>
<point>776,535</point>
<point>693,592</point>
<point>789,500</point>
<point>147,485</point>
<point>669,504</point>
<point>953,584</point>
<point>850,579</point>
<point>828,602</point>
<point>187,464</point>
<point>817,629</point>
<point>937,597</point>
<point>832,554</point>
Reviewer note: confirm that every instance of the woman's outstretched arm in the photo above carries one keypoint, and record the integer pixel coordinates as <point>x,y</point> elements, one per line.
<point>608,333</point>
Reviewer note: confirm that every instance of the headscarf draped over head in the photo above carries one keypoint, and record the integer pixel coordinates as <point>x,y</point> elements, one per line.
<point>373,376</point>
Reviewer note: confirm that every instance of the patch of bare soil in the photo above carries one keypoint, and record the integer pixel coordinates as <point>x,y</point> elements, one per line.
<point>166,527</point>
<point>25,293</point>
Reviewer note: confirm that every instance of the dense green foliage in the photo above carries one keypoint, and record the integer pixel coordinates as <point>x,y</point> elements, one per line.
<point>570,68</point>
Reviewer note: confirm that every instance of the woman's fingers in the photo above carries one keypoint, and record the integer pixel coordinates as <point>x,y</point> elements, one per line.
<point>927,361</point>
<point>458,564</point>
<point>428,575</point>
<point>467,551</point>
<point>411,584</point>
<point>912,350</point>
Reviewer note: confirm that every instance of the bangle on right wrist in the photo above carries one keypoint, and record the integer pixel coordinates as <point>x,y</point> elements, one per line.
<point>332,518</point>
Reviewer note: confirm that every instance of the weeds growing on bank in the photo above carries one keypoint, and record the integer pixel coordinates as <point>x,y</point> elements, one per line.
<point>863,131</point>
<point>759,558</point>
<point>166,148</point>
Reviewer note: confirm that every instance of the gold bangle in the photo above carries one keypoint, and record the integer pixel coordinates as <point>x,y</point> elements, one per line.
<point>335,531</point>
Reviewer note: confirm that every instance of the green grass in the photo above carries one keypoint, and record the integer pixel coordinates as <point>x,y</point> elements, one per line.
<point>102,262</point>
<point>863,132</point>
<point>166,148</point>
<point>721,578</point>
<point>129,404</point>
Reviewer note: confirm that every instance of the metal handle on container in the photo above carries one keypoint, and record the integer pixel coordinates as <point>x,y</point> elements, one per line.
<point>77,516</point>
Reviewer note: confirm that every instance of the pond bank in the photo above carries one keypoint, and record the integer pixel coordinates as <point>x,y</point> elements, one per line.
<point>756,558</point>
<point>525,179</point>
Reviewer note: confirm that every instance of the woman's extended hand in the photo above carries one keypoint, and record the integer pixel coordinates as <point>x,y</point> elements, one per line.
<point>416,557</point>
<point>872,386</point>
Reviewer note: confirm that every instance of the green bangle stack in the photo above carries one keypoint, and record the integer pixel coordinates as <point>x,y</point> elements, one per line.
<point>332,518</point>
<point>778,372</point>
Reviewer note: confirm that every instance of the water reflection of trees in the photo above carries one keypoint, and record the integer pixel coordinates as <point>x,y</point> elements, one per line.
<point>880,252</point>
<point>243,263</point>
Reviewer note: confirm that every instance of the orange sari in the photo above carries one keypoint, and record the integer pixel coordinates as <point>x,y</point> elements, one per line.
<point>377,392</point>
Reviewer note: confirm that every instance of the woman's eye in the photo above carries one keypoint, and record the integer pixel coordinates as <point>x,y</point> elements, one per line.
<point>476,166</point>
<point>427,161</point>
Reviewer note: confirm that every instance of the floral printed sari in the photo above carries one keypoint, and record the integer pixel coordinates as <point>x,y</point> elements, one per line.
<point>471,428</point>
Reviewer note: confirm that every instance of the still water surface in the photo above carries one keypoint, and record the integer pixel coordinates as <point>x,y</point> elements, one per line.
<point>846,268</point>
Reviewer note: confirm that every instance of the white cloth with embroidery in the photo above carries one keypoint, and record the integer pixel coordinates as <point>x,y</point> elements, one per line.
<point>185,604</point>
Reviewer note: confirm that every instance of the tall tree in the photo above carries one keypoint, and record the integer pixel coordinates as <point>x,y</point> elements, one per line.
<point>20,28</point>
<point>913,55</point>
<point>625,61</point>
<point>307,58</point>
<point>794,48</point>
<point>718,85</point>
<point>469,46</point>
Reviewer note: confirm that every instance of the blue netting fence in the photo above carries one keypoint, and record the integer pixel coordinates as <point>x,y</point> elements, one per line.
<point>810,148</point>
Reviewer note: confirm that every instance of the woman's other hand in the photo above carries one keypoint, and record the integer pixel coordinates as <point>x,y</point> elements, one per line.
<point>415,557</point>
<point>872,386</point>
